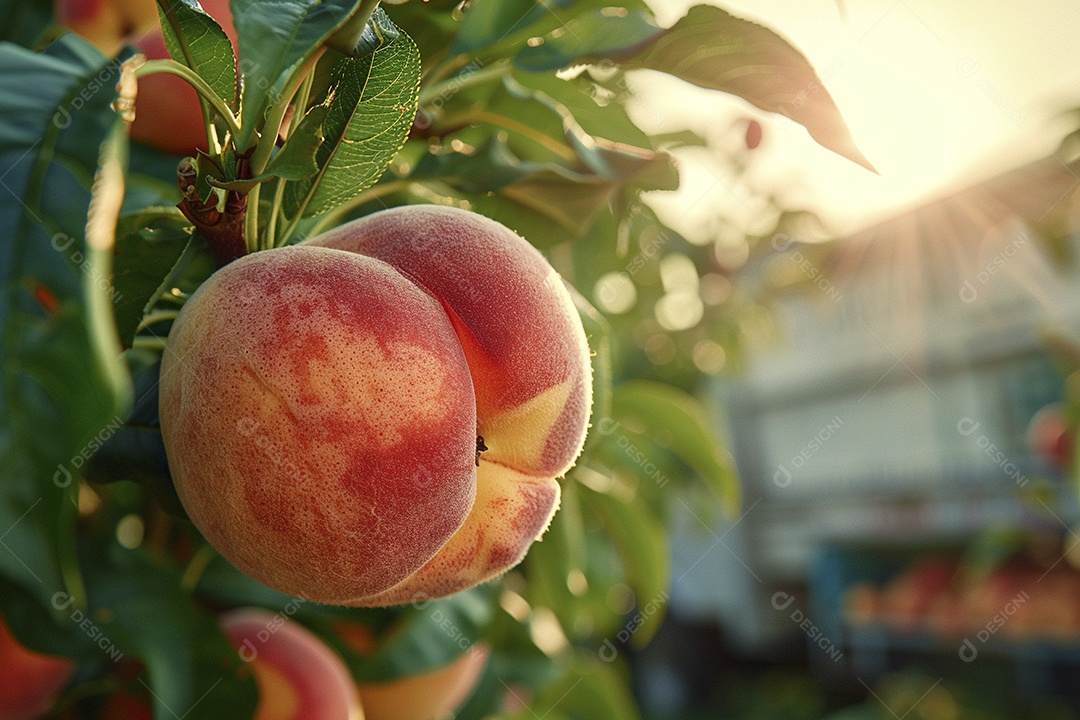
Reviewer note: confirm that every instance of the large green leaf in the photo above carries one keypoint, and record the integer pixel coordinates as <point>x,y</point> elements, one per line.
<point>196,40</point>
<point>274,39</point>
<point>667,412</point>
<point>713,49</point>
<point>371,108</point>
<point>63,383</point>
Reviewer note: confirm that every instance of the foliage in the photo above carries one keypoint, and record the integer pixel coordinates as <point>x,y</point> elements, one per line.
<point>415,102</point>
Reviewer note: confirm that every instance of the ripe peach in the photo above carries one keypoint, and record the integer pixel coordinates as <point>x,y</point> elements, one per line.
<point>426,696</point>
<point>299,676</point>
<point>29,681</point>
<point>378,415</point>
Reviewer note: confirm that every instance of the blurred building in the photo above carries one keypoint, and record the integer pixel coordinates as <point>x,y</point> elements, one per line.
<point>888,427</point>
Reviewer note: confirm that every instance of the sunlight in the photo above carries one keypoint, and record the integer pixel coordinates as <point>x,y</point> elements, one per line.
<point>935,98</point>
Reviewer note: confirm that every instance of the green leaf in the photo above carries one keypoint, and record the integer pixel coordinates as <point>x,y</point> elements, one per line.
<point>596,34</point>
<point>608,160</point>
<point>713,49</point>
<point>491,26</point>
<point>275,38</point>
<point>140,610</point>
<point>148,245</point>
<point>222,583</point>
<point>487,22</point>
<point>575,177</point>
<point>641,542</point>
<point>25,21</point>
<point>600,115</point>
<point>573,205</point>
<point>296,159</point>
<point>669,413</point>
<point>361,35</point>
<point>371,108</point>
<point>590,689</point>
<point>63,382</point>
<point>196,40</point>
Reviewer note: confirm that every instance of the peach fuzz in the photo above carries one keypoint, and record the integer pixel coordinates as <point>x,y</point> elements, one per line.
<point>529,360</point>
<point>433,695</point>
<point>299,676</point>
<point>29,681</point>
<point>319,422</point>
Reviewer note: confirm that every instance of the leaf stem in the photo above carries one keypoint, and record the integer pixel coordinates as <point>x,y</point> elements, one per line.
<point>196,567</point>
<point>155,344</point>
<point>156,317</point>
<point>272,126</point>
<point>457,83</point>
<point>508,123</point>
<point>251,220</point>
<point>171,67</point>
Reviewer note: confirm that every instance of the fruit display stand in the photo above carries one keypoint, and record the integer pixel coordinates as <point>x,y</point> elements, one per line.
<point>889,609</point>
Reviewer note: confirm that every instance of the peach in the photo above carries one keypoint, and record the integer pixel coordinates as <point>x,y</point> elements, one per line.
<point>29,681</point>
<point>381,414</point>
<point>299,676</point>
<point>425,696</point>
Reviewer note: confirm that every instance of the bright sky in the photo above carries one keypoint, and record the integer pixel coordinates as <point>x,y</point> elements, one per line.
<point>936,94</point>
